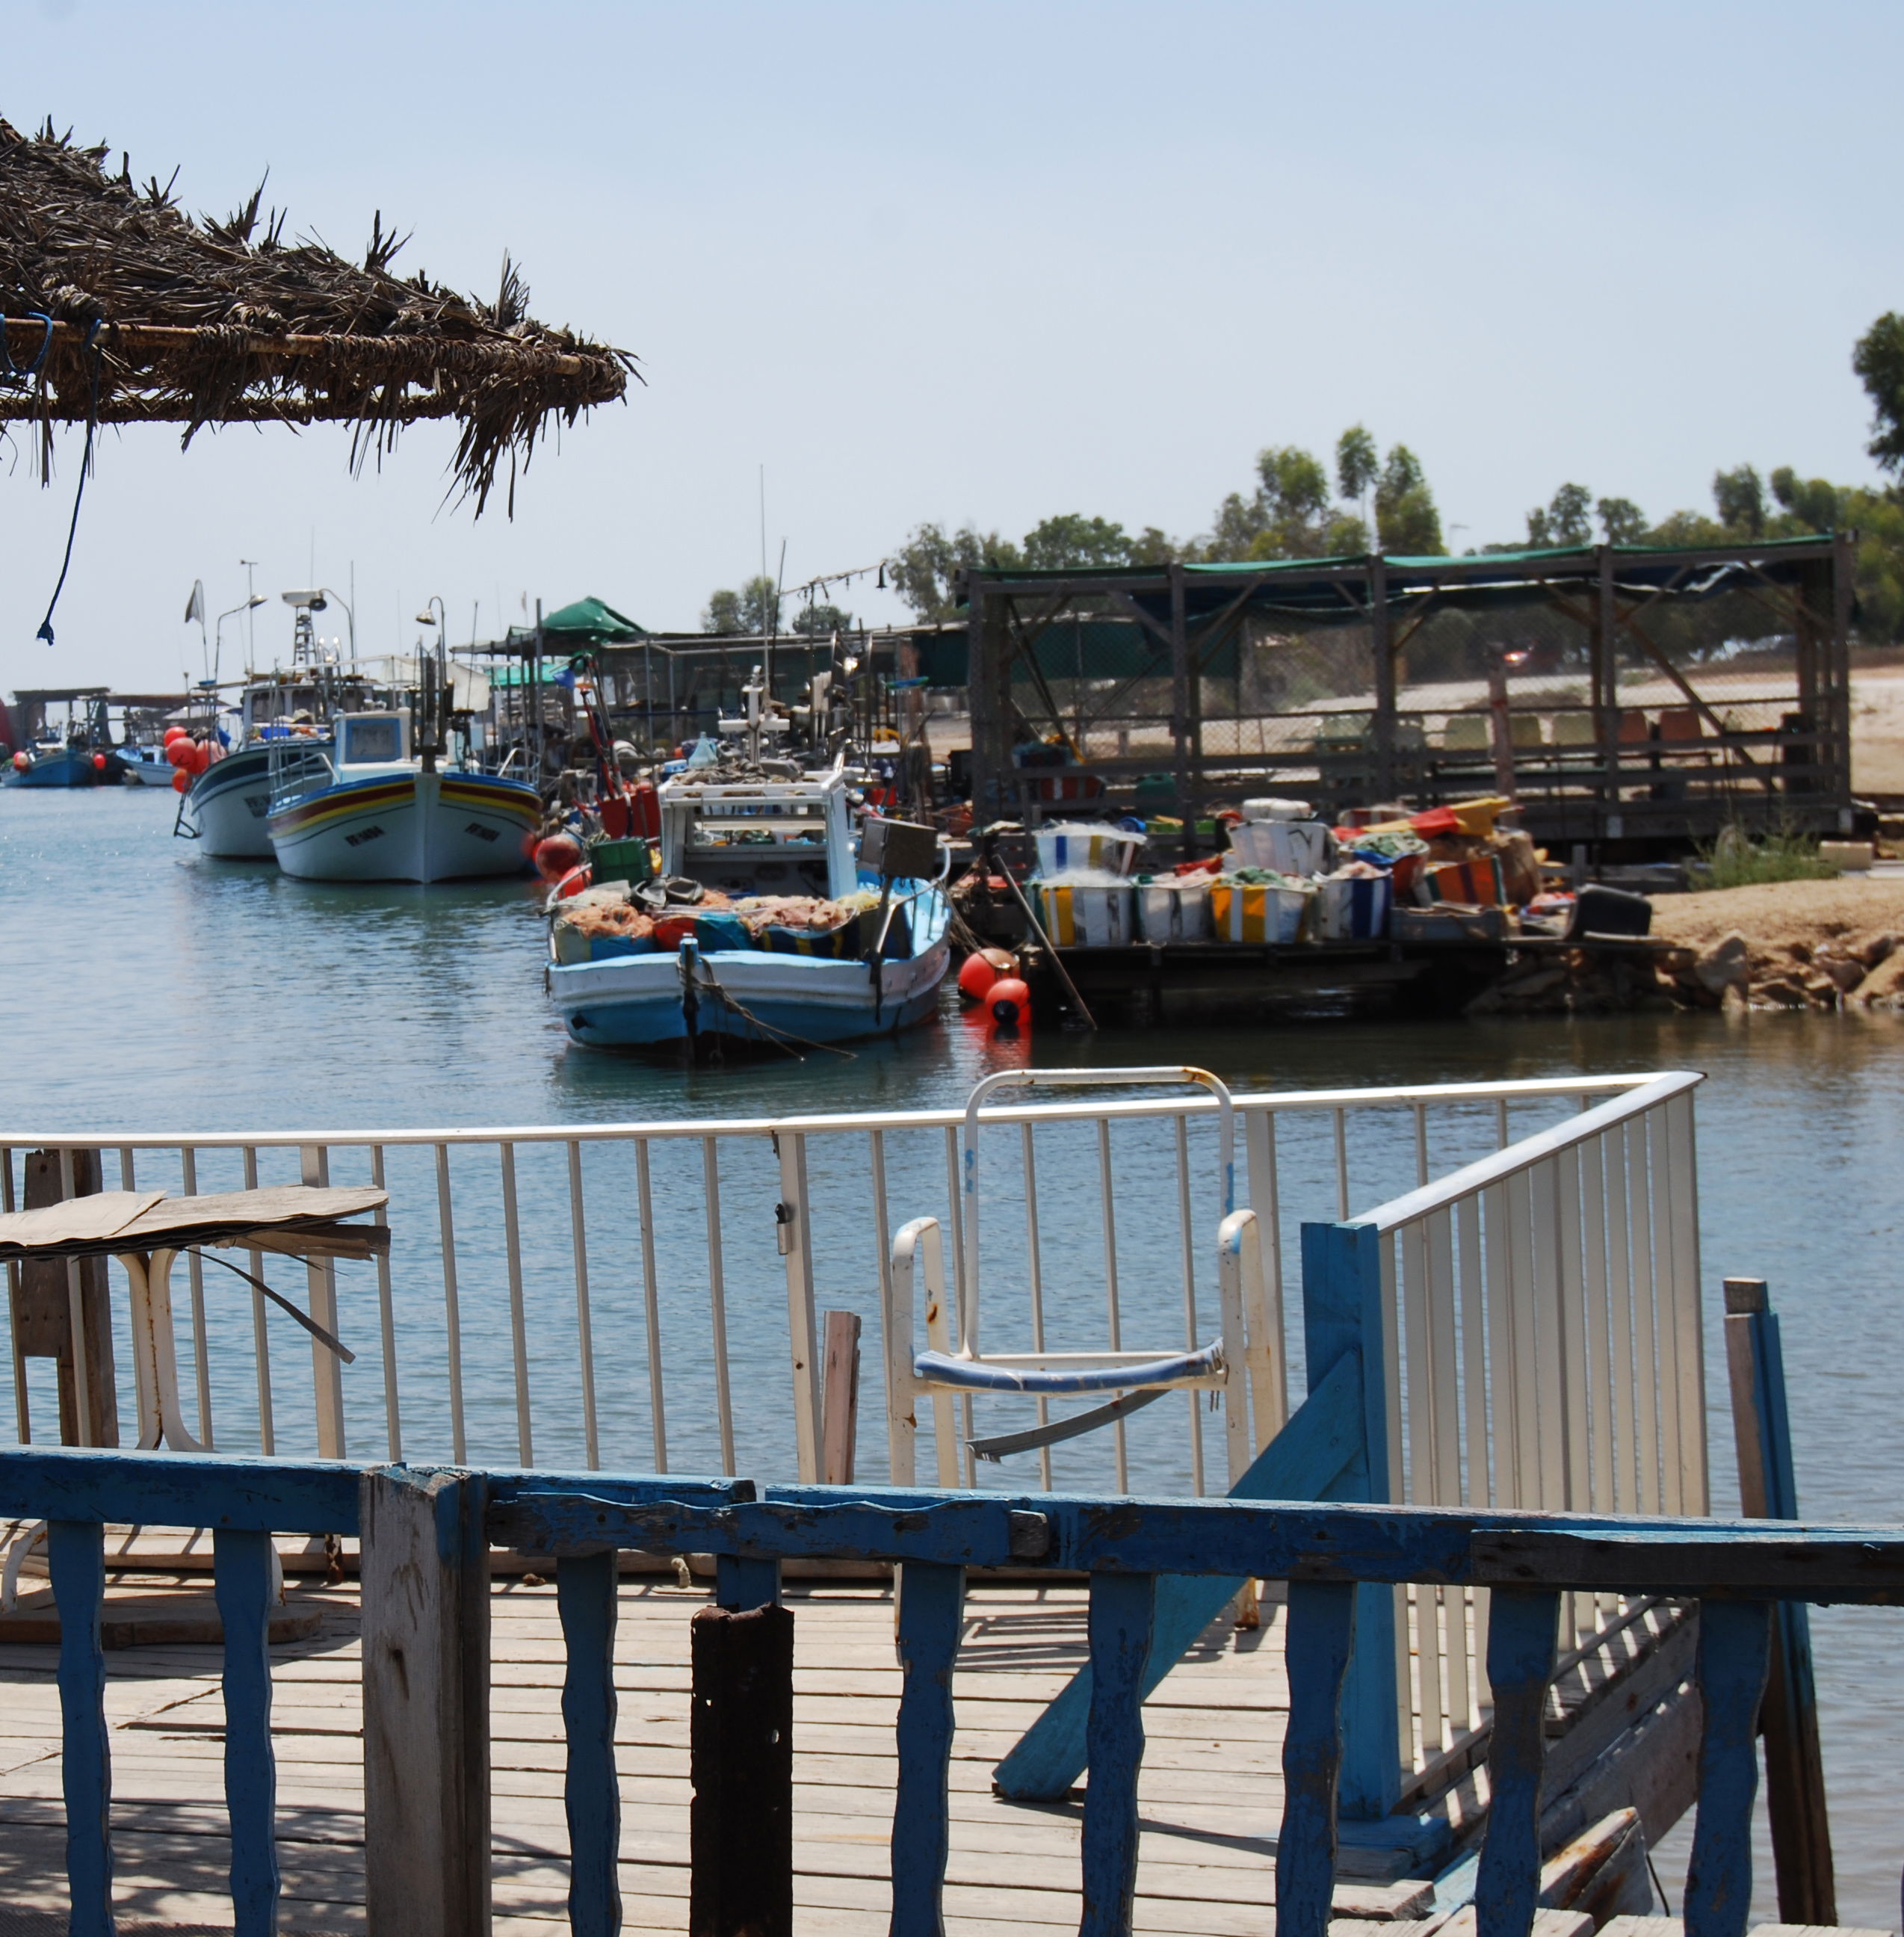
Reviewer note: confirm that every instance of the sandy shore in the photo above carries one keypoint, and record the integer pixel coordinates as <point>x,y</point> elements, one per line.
<point>1780,913</point>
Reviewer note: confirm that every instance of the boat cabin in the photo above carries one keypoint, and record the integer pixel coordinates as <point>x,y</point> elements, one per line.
<point>369,741</point>
<point>759,837</point>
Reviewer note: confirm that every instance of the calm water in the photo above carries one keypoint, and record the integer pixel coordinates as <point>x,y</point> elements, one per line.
<point>144,987</point>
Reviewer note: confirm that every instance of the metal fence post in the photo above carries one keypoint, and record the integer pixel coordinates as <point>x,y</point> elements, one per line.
<point>795,1235</point>
<point>320,1278</point>
<point>1342,1314</point>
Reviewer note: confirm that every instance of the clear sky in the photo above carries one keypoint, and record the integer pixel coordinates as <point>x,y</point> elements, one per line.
<point>984,261</point>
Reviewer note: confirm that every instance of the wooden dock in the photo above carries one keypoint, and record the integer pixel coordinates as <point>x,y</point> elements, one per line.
<point>1211,1784</point>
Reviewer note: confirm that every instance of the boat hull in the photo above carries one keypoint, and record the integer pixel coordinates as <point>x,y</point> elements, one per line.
<point>73,768</point>
<point>743,996</point>
<point>230,804</point>
<point>409,827</point>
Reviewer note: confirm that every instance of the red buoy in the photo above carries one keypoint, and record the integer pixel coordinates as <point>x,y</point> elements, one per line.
<point>201,755</point>
<point>573,882</point>
<point>179,751</point>
<point>557,855</point>
<point>976,976</point>
<point>172,733</point>
<point>99,763</point>
<point>21,762</point>
<point>1010,1001</point>
<point>181,780</point>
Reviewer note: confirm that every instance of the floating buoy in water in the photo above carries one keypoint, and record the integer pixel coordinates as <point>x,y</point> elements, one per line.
<point>557,856</point>
<point>1010,1001</point>
<point>99,763</point>
<point>979,970</point>
<point>181,780</point>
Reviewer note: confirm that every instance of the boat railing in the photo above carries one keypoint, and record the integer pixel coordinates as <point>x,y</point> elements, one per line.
<point>298,768</point>
<point>426,1538</point>
<point>651,1292</point>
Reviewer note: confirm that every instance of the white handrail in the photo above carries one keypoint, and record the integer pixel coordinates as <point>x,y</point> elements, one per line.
<point>1519,1089</point>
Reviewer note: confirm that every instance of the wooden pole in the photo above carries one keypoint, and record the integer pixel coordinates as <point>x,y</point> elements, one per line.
<point>839,1406</point>
<point>1788,1717</point>
<point>426,1581</point>
<point>1381,640</point>
<point>48,1296</point>
<point>1181,732</point>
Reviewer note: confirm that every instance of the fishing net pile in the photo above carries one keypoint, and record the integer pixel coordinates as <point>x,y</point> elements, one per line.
<point>119,308</point>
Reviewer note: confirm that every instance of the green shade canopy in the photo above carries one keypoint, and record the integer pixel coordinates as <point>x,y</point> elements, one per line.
<point>589,622</point>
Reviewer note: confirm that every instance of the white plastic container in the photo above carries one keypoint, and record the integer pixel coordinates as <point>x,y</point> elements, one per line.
<point>1298,847</point>
<point>1278,809</point>
<point>1176,910</point>
<point>1240,911</point>
<point>1353,909</point>
<point>1086,914</point>
<point>1075,846</point>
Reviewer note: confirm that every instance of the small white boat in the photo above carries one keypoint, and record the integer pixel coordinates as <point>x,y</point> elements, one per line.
<point>365,805</point>
<point>762,835</point>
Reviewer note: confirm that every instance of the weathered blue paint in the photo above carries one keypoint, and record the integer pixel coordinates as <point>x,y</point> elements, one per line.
<point>1342,1314</point>
<point>180,1490</point>
<point>1311,1449</point>
<point>585,1599</point>
<point>1522,1630</point>
<point>242,1581</point>
<point>1321,1638</point>
<point>76,1552</point>
<point>1121,1612</point>
<point>1734,1647</point>
<point>932,1603</point>
<point>741,1583</point>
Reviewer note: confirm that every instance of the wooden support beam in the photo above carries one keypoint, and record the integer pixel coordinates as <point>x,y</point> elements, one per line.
<point>1321,1639</point>
<point>741,1749</point>
<point>1794,1762</point>
<point>46,1292</point>
<point>839,1410</point>
<point>426,1583</point>
<point>1182,733</point>
<point>1382,645</point>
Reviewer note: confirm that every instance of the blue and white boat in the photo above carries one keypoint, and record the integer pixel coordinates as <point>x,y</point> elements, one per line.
<point>717,983</point>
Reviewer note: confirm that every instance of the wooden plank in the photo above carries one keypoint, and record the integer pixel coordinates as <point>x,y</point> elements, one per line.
<point>741,1819</point>
<point>930,1610</point>
<point>1122,1613</point>
<point>426,1670</point>
<point>1321,1640</point>
<point>1520,1645</point>
<point>44,1294</point>
<point>1734,1647</point>
<point>76,1551</point>
<point>243,1585</point>
<point>840,1397</point>
<point>585,1588</point>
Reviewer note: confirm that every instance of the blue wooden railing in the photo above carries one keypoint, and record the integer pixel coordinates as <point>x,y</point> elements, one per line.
<point>425,1536</point>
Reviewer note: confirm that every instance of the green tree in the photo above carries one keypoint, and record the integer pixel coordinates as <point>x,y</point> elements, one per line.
<point>816,620</point>
<point>1566,519</point>
<point>754,608</point>
<point>1152,547</point>
<point>1879,362</point>
<point>1622,522</point>
<point>1739,496</point>
<point>1810,503</point>
<point>1073,541</point>
<point>1356,463</point>
<point>924,571</point>
<point>1406,520</point>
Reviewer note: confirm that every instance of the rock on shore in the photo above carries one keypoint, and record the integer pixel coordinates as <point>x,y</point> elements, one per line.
<point>1782,945</point>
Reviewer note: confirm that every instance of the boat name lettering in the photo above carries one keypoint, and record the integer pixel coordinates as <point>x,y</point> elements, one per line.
<point>368,834</point>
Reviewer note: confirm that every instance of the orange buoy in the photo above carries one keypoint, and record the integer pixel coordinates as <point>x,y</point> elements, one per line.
<point>573,882</point>
<point>976,976</point>
<point>557,856</point>
<point>1010,1001</point>
<point>179,751</point>
<point>172,733</point>
<point>21,762</point>
<point>181,780</point>
<point>201,755</point>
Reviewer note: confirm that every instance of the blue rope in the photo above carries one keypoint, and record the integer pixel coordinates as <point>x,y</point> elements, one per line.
<point>85,465</point>
<point>17,376</point>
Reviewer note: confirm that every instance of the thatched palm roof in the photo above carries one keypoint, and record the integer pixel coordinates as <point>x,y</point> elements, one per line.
<point>159,317</point>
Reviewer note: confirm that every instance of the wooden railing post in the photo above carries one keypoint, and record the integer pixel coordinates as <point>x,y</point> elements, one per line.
<point>426,1581</point>
<point>839,1411</point>
<point>1343,1313</point>
<point>1768,1489</point>
<point>741,1756</point>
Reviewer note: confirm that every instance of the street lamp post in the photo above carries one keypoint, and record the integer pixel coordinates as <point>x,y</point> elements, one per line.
<point>249,604</point>
<point>434,683</point>
<point>349,617</point>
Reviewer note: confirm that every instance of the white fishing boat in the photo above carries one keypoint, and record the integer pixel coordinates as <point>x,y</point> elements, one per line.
<point>766,927</point>
<point>369,804</point>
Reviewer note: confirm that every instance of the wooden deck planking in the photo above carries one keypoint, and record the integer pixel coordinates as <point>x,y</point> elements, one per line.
<point>1209,1795</point>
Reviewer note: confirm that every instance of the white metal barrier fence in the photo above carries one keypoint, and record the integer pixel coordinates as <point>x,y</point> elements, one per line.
<point>1543,1350</point>
<point>646,1294</point>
